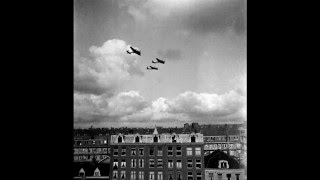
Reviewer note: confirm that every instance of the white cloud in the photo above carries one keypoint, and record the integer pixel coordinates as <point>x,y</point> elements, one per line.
<point>108,69</point>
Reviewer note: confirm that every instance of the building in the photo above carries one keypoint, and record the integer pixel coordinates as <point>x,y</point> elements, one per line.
<point>91,148</point>
<point>157,156</point>
<point>221,166</point>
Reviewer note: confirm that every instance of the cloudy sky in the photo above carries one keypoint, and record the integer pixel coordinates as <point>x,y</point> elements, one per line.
<point>203,80</point>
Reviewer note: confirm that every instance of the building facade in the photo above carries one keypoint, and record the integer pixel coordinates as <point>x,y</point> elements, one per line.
<point>157,156</point>
<point>87,148</point>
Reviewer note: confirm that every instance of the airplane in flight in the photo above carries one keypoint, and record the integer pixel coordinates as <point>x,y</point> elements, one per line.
<point>152,68</point>
<point>159,61</point>
<point>136,51</point>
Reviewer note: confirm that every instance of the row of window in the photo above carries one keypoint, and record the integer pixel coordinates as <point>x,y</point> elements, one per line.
<point>228,176</point>
<point>90,142</point>
<point>219,146</point>
<point>152,175</point>
<point>155,139</point>
<point>98,157</point>
<point>90,150</point>
<point>158,163</point>
<point>133,151</point>
<point>220,138</point>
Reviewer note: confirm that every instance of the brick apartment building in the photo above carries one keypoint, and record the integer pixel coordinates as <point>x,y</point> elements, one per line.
<point>157,156</point>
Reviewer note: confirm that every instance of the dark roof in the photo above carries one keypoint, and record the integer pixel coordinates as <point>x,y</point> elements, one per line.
<point>89,168</point>
<point>212,160</point>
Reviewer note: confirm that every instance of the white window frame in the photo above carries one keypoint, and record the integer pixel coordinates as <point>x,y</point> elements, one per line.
<point>189,151</point>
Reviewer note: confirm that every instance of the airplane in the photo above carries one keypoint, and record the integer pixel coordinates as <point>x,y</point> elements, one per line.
<point>134,51</point>
<point>152,68</point>
<point>159,61</point>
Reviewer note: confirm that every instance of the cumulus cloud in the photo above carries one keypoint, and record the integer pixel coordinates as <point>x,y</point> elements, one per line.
<point>172,54</point>
<point>89,108</point>
<point>108,68</point>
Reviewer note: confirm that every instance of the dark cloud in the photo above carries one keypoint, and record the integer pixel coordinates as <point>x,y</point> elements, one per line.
<point>217,16</point>
<point>172,54</point>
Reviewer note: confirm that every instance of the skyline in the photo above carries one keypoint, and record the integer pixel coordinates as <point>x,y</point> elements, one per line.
<point>203,79</point>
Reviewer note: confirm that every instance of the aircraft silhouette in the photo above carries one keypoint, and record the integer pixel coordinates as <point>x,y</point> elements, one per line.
<point>134,51</point>
<point>159,61</point>
<point>152,68</point>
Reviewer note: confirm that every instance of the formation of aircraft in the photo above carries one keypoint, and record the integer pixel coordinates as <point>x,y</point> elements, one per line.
<point>138,52</point>
<point>135,51</point>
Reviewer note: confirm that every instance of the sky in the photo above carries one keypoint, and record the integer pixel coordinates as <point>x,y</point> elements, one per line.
<point>203,43</point>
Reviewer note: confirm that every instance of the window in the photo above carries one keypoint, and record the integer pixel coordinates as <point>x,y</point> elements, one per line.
<point>137,139</point>
<point>133,151</point>
<point>151,151</point>
<point>189,163</point>
<point>179,163</point>
<point>141,152</point>
<point>105,141</point>
<point>155,139</point>
<point>219,176</point>
<point>179,175</point>
<point>237,176</point>
<point>159,151</point>
<point>179,151</point>
<point>199,176</point>
<point>174,139</point>
<point>170,151</point>
<point>211,176</point>
<point>123,152</point>
<point>198,151</point>
<point>159,164</point>
<point>141,175</point>
<point>190,176</point>
<point>228,176</point>
<point>170,163</point>
<point>115,164</point>
<point>189,151</point>
<point>151,175</point>
<point>96,172</point>
<point>141,163</point>
<point>119,139</point>
<point>160,175</point>
<point>115,174</point>
<point>133,163</point>
<point>170,175</point>
<point>115,151</point>
<point>198,163</point>
<point>82,172</point>
<point>123,174</point>
<point>151,163</point>
<point>123,163</point>
<point>193,139</point>
<point>223,164</point>
<point>133,175</point>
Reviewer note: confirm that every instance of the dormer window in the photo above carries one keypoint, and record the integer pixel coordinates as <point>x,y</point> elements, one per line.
<point>137,139</point>
<point>119,139</point>
<point>193,139</point>
<point>97,172</point>
<point>82,173</point>
<point>155,139</point>
<point>174,139</point>
<point>223,164</point>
